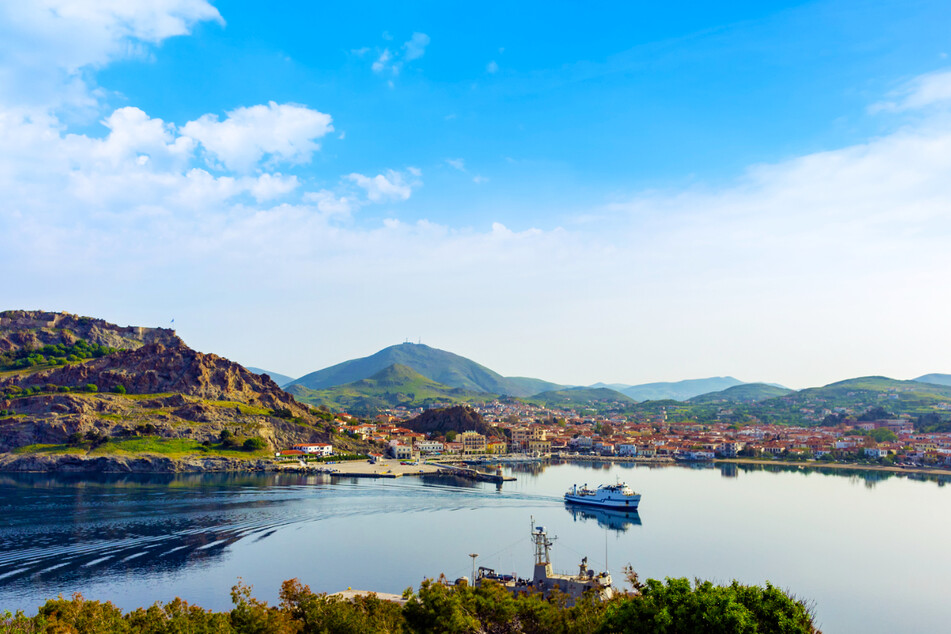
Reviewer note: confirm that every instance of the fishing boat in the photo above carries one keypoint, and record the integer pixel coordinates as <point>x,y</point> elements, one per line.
<point>608,496</point>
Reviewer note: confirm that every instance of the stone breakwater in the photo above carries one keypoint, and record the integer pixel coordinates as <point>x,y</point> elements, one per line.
<point>72,463</point>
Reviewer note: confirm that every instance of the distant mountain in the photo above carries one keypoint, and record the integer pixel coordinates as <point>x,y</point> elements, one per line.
<point>743,393</point>
<point>392,386</point>
<point>438,365</point>
<point>280,379</point>
<point>679,390</point>
<point>612,386</point>
<point>579,398</point>
<point>937,379</point>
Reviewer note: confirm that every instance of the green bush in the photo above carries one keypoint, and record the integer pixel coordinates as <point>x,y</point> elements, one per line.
<point>254,444</point>
<point>91,387</point>
<point>119,389</point>
<point>674,607</point>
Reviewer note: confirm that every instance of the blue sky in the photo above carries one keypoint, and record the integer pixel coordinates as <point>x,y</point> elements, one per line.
<point>625,193</point>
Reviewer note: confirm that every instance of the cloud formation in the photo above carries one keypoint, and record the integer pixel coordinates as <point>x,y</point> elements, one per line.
<point>393,186</point>
<point>282,132</point>
<point>932,89</point>
<point>415,47</point>
<point>45,45</point>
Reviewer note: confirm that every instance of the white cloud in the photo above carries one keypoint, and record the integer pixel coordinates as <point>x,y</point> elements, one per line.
<point>46,44</point>
<point>478,180</point>
<point>391,186</point>
<point>382,61</point>
<point>391,63</point>
<point>270,186</point>
<point>330,204</point>
<point>284,132</point>
<point>933,89</point>
<point>459,164</point>
<point>492,67</point>
<point>415,47</point>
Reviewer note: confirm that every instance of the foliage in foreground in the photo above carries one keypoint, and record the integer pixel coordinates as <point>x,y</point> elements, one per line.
<point>672,607</point>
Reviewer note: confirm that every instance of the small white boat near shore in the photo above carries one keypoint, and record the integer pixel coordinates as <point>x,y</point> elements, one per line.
<point>609,496</point>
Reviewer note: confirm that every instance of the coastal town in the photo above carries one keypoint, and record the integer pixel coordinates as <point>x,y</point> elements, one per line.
<point>519,428</point>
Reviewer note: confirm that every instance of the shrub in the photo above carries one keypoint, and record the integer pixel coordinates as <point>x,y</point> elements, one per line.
<point>119,389</point>
<point>63,388</point>
<point>91,387</point>
<point>254,444</point>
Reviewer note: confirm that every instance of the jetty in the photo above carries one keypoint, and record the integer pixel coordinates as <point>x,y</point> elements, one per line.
<point>474,474</point>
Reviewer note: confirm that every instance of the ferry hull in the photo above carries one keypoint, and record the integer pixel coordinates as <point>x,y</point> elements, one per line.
<point>628,504</point>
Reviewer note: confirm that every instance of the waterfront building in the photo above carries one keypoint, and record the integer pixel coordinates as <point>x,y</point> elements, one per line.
<point>315,449</point>
<point>472,442</point>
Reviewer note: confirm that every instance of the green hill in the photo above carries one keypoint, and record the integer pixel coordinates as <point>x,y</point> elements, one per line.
<point>581,398</point>
<point>937,379</point>
<point>438,365</point>
<point>393,386</point>
<point>744,393</point>
<point>852,397</point>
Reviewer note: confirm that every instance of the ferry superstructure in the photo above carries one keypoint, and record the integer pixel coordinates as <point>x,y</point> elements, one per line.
<point>609,496</point>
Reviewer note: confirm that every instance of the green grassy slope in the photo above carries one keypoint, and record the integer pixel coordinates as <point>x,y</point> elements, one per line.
<point>745,393</point>
<point>393,386</point>
<point>438,365</point>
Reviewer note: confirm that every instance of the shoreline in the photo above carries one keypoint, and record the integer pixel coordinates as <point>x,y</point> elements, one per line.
<point>835,465</point>
<point>386,468</point>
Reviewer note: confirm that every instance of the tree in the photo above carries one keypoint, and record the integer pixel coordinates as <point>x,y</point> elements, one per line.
<point>883,434</point>
<point>677,606</point>
<point>91,387</point>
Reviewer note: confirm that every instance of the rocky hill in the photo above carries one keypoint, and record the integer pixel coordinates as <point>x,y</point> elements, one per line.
<point>156,394</point>
<point>457,419</point>
<point>33,329</point>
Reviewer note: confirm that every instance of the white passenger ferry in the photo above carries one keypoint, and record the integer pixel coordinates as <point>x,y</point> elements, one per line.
<point>609,496</point>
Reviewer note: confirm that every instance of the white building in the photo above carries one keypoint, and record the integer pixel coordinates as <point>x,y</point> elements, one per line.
<point>430,446</point>
<point>317,449</point>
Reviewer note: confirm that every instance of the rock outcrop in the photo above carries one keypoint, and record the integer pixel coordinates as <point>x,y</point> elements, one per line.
<point>34,328</point>
<point>457,419</point>
<point>155,385</point>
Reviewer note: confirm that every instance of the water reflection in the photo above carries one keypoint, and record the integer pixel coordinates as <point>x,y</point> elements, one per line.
<point>610,519</point>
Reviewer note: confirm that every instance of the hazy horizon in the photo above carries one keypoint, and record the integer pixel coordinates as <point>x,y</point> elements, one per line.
<point>631,194</point>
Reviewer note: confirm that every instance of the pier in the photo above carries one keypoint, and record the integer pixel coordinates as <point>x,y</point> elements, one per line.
<point>474,474</point>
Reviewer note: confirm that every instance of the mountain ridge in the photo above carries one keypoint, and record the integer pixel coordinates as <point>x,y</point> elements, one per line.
<point>438,365</point>
<point>393,386</point>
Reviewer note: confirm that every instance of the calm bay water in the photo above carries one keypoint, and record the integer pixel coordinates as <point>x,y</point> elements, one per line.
<point>870,550</point>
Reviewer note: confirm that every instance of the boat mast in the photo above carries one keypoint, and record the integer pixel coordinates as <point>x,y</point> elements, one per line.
<point>542,544</point>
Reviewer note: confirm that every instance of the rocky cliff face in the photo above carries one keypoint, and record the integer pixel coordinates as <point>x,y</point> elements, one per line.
<point>34,328</point>
<point>163,388</point>
<point>457,419</point>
